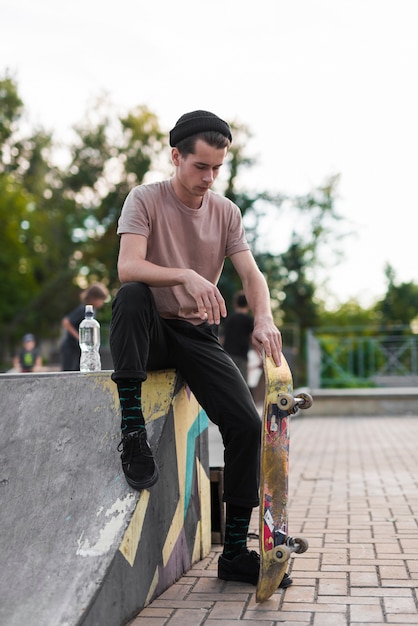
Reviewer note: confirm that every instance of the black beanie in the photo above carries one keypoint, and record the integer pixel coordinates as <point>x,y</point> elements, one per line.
<point>197,122</point>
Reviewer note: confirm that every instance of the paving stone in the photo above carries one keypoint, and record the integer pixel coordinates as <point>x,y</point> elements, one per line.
<point>227,610</point>
<point>393,571</point>
<point>368,613</point>
<point>401,619</point>
<point>188,617</point>
<point>332,619</point>
<point>380,592</point>
<point>229,622</point>
<point>332,586</point>
<point>400,605</point>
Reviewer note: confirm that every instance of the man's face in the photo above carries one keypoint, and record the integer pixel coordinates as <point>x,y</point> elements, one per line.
<point>197,172</point>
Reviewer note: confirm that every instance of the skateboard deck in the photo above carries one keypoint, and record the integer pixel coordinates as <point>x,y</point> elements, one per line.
<point>275,544</point>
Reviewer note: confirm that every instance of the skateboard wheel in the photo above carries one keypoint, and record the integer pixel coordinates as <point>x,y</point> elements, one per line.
<point>301,545</point>
<point>304,400</point>
<point>285,401</point>
<point>281,554</point>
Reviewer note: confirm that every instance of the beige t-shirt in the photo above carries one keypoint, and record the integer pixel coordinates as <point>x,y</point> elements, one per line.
<point>178,236</point>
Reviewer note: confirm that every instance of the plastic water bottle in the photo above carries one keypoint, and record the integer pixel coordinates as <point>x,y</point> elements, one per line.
<point>89,331</point>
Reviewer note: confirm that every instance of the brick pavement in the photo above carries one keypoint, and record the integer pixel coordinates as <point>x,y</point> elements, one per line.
<point>354,496</point>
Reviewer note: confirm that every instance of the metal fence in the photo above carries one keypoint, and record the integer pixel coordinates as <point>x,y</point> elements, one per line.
<point>340,359</point>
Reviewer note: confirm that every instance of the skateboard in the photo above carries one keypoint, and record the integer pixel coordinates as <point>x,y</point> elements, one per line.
<point>275,544</point>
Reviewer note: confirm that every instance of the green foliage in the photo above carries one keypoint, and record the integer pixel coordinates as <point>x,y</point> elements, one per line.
<point>108,159</point>
<point>143,142</point>
<point>17,273</point>
<point>59,224</point>
<point>400,303</point>
<point>350,316</point>
<point>351,383</point>
<point>10,111</point>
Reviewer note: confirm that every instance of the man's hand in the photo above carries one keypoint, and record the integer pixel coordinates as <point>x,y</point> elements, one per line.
<point>266,336</point>
<point>210,303</point>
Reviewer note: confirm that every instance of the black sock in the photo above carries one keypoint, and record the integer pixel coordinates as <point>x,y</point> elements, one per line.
<point>236,530</point>
<point>129,390</point>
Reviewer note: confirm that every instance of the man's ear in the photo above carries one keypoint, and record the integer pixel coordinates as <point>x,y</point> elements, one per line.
<point>175,156</point>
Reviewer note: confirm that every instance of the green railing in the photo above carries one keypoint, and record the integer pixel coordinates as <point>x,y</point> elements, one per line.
<point>338,359</point>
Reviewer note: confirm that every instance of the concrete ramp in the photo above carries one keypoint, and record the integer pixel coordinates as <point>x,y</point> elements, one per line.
<point>77,546</point>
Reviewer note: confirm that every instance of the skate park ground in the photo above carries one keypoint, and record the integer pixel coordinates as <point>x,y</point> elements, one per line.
<point>354,495</point>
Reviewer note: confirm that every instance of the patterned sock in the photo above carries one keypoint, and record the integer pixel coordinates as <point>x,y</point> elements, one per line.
<point>129,390</point>
<point>236,530</point>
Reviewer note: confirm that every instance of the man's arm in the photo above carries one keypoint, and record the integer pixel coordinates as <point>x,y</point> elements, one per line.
<point>66,324</point>
<point>133,266</point>
<point>265,335</point>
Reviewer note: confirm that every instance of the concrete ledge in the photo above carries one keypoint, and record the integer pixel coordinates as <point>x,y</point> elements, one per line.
<point>375,401</point>
<point>78,546</point>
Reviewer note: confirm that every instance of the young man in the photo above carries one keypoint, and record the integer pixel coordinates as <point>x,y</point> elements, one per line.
<point>175,236</point>
<point>96,295</point>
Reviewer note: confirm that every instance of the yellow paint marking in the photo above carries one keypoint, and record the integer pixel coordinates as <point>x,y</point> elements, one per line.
<point>176,526</point>
<point>152,588</point>
<point>130,541</point>
<point>157,393</point>
<point>184,415</point>
<point>196,554</point>
<point>205,512</point>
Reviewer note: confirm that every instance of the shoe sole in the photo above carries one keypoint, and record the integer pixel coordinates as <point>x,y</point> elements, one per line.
<point>285,583</point>
<point>237,578</point>
<point>143,484</point>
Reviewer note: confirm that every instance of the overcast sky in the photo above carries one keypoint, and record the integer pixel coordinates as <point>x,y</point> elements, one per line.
<point>325,86</point>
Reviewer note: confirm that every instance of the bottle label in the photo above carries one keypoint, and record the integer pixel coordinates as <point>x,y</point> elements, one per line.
<point>87,336</point>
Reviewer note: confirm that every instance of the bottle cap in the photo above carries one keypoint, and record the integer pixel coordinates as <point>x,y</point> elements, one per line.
<point>89,309</point>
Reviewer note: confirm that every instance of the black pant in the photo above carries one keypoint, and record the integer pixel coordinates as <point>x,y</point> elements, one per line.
<point>141,341</point>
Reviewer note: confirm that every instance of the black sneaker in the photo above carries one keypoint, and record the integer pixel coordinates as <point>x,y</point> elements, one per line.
<point>138,463</point>
<point>245,568</point>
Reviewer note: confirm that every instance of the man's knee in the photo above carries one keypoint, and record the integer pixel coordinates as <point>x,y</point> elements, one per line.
<point>131,297</point>
<point>132,291</point>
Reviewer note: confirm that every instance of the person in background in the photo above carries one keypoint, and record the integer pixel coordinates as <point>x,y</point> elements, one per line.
<point>238,328</point>
<point>96,295</point>
<point>28,358</point>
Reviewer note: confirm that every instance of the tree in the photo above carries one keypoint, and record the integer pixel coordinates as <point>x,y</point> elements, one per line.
<point>10,111</point>
<point>28,242</point>
<point>290,273</point>
<point>399,306</point>
<point>60,223</point>
<point>350,317</point>
<point>109,157</point>
<point>16,268</point>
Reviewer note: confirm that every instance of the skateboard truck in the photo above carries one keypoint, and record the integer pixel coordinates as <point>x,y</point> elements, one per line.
<point>290,404</point>
<point>293,544</point>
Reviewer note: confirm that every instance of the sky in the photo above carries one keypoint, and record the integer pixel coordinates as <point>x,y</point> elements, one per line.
<point>326,87</point>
